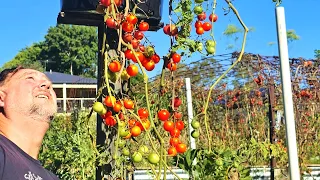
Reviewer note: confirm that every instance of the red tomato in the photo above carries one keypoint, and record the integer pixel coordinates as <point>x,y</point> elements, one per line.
<point>149,66</point>
<point>206,26</point>
<point>143,26</point>
<point>107,3</point>
<point>213,17</point>
<point>127,27</point>
<point>202,16</point>
<point>138,35</point>
<point>174,141</point>
<point>155,58</point>
<point>179,125</point>
<point>177,115</point>
<point>142,48</point>
<point>181,148</point>
<point>168,125</point>
<point>110,121</point>
<point>198,24</point>
<point>127,37</point>
<point>163,114</point>
<point>143,113</point>
<point>111,23</point>
<point>176,57</point>
<point>200,30</point>
<point>139,55</point>
<point>128,54</point>
<point>175,132</point>
<point>135,43</point>
<point>166,29</point>
<point>132,19</point>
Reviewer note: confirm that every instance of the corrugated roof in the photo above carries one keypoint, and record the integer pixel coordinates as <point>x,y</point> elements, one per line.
<point>60,78</point>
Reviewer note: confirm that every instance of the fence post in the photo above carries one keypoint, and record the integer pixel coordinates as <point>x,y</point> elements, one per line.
<point>287,95</point>
<point>272,126</point>
<point>190,112</point>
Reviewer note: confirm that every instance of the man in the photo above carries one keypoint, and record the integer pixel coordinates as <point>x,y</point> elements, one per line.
<point>27,105</point>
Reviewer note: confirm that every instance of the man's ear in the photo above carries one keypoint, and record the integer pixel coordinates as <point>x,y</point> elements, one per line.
<point>2,97</point>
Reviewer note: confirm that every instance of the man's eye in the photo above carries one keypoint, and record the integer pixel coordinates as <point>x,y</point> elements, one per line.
<point>30,77</point>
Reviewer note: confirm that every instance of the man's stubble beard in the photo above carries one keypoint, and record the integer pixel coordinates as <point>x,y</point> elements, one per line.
<point>43,111</point>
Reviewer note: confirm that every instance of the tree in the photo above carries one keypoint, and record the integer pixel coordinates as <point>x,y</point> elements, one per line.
<point>73,49</point>
<point>27,57</point>
<point>66,49</point>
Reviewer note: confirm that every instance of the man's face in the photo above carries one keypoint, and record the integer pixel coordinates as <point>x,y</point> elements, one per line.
<point>29,92</point>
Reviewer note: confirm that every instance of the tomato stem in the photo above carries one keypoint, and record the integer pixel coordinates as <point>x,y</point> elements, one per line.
<point>246,30</point>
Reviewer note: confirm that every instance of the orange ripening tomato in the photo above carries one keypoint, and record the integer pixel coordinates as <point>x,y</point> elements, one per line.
<point>172,66</point>
<point>117,107</point>
<point>181,148</point>
<point>109,100</point>
<point>135,131</point>
<point>128,104</point>
<point>132,70</point>
<point>172,151</point>
<point>168,125</point>
<point>114,66</point>
<point>175,132</point>
<point>150,65</point>
<point>132,19</point>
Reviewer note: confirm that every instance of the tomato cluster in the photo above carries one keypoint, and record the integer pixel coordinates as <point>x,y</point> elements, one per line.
<point>174,128</point>
<point>133,34</point>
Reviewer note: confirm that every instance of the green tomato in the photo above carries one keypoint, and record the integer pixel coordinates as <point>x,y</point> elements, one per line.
<point>123,132</point>
<point>210,49</point>
<point>143,149</point>
<point>210,43</point>
<point>199,47</point>
<point>98,107</point>
<point>125,152</point>
<point>219,162</point>
<point>137,157</point>
<point>121,124</point>
<point>121,143</point>
<point>153,158</point>
<point>195,124</point>
<point>112,76</point>
<point>195,134</point>
<point>198,10</point>
<point>199,1</point>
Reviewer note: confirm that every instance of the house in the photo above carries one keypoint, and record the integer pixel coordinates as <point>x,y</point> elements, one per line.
<point>73,92</point>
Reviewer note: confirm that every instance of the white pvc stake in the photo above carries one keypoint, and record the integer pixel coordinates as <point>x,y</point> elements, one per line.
<point>190,112</point>
<point>287,95</point>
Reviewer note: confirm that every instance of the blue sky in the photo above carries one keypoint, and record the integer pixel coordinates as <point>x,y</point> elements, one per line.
<point>26,22</point>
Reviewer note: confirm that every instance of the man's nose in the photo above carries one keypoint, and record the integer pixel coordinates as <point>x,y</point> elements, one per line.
<point>45,84</point>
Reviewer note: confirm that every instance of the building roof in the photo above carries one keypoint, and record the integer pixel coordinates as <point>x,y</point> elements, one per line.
<point>60,78</point>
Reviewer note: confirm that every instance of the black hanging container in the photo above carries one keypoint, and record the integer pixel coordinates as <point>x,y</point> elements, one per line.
<point>86,12</point>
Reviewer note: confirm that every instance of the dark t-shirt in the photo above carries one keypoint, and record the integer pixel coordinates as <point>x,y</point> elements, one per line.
<point>15,164</point>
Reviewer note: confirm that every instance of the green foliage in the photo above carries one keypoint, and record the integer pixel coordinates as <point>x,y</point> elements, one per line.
<point>69,148</point>
<point>67,48</point>
<point>292,35</point>
<point>222,163</point>
<point>72,48</point>
<point>317,53</point>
